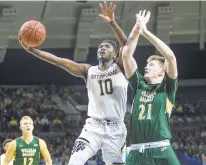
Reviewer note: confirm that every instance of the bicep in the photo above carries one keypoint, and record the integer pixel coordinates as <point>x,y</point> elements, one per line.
<point>171,68</point>
<point>129,63</point>
<point>76,69</point>
<point>44,150</point>
<point>130,66</point>
<point>171,87</point>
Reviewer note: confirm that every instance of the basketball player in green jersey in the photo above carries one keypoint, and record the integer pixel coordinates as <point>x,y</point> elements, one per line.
<point>26,149</point>
<point>154,97</point>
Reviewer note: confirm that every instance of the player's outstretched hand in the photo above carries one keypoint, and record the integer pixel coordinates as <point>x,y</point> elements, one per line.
<point>107,13</point>
<point>142,18</point>
<point>22,44</point>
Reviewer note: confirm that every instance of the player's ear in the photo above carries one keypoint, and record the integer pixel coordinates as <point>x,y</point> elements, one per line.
<point>162,72</point>
<point>115,55</point>
<point>20,127</point>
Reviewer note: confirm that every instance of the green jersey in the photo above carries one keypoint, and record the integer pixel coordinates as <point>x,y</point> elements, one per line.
<point>27,154</point>
<point>151,109</point>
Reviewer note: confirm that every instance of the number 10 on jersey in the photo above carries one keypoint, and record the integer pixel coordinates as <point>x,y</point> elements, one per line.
<point>106,87</point>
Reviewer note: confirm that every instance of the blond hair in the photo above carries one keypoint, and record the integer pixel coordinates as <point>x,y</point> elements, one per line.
<point>156,57</point>
<point>26,118</point>
<point>159,58</point>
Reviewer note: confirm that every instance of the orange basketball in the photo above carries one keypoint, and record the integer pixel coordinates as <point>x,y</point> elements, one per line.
<point>32,33</point>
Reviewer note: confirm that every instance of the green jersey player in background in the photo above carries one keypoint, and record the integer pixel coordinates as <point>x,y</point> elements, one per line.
<point>26,149</point>
<point>154,97</point>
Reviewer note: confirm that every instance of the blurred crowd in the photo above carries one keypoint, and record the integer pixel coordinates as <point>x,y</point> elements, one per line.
<point>188,121</point>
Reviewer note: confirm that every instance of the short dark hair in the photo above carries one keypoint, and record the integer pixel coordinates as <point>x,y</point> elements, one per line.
<point>6,141</point>
<point>113,43</point>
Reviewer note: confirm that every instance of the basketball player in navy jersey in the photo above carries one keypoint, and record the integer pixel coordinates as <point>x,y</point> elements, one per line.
<point>107,92</point>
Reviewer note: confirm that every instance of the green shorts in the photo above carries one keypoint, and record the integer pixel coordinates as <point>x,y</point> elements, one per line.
<point>153,156</point>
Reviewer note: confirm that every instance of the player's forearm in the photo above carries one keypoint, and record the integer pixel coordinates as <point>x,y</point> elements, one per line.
<point>49,162</point>
<point>78,70</point>
<point>120,35</point>
<point>160,45</point>
<point>131,44</point>
<point>48,57</point>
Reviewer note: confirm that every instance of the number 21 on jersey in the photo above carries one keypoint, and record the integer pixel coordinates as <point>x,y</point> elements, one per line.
<point>145,113</point>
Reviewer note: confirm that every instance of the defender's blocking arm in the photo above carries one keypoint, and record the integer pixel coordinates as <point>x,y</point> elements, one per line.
<point>171,63</point>
<point>45,152</point>
<point>10,152</point>
<point>76,69</point>
<point>129,63</point>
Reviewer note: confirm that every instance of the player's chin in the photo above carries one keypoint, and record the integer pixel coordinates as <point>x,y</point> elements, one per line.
<point>102,58</point>
<point>147,77</point>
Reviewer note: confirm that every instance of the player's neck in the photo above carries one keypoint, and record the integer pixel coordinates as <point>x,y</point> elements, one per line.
<point>103,65</point>
<point>28,137</point>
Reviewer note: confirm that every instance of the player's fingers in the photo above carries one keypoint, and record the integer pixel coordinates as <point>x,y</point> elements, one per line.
<point>143,13</point>
<point>140,12</point>
<point>147,17</point>
<point>20,41</point>
<point>105,5</point>
<point>101,7</point>
<point>114,7</point>
<point>110,5</point>
<point>18,36</point>
<point>148,14</point>
<point>102,16</point>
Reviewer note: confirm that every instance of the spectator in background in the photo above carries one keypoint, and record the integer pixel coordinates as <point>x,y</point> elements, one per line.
<point>37,122</point>
<point>13,124</point>
<point>57,124</point>
<point>44,123</point>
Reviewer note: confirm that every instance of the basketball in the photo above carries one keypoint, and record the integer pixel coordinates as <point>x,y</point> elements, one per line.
<point>32,33</point>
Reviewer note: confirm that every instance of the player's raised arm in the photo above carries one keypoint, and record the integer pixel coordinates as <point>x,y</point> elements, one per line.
<point>10,153</point>
<point>170,64</point>
<point>107,14</point>
<point>76,69</point>
<point>130,65</point>
<point>128,50</point>
<point>45,152</point>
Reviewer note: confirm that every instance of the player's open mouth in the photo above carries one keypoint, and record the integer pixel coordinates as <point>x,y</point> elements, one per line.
<point>102,53</point>
<point>146,71</point>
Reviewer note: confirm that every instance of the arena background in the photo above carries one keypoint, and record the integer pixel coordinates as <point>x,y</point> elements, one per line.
<point>58,101</point>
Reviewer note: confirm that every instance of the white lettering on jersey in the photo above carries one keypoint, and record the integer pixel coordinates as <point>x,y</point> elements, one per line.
<point>107,92</point>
